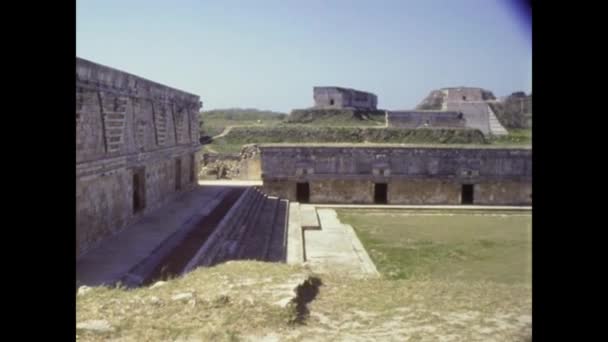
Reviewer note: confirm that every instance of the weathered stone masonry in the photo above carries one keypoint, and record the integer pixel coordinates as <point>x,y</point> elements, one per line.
<point>136,144</point>
<point>337,97</point>
<point>412,175</point>
<point>422,118</point>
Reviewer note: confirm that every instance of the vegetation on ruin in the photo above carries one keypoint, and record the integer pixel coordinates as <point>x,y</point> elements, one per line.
<point>250,126</point>
<point>239,136</point>
<point>515,137</point>
<point>236,301</point>
<point>213,122</point>
<point>336,117</point>
<point>515,112</point>
<point>451,246</point>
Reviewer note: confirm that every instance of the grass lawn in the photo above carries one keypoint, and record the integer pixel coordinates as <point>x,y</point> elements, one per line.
<point>479,246</point>
<point>213,122</point>
<point>515,137</point>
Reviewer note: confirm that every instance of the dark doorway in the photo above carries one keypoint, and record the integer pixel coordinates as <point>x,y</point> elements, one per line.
<point>139,194</point>
<point>380,193</point>
<point>331,102</point>
<point>178,174</point>
<point>303,192</point>
<point>467,193</point>
<point>464,98</point>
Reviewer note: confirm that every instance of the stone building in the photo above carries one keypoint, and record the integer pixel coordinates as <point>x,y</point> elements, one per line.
<point>473,103</point>
<point>457,94</point>
<point>344,98</point>
<point>398,174</point>
<point>438,99</point>
<point>136,149</point>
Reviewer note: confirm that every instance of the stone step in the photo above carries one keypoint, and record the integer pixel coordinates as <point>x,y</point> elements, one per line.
<point>224,243</point>
<point>496,128</point>
<point>250,224</point>
<point>336,247</point>
<point>252,229</point>
<point>309,217</point>
<point>254,243</point>
<point>295,243</point>
<point>270,231</point>
<point>202,256</point>
<point>231,243</point>
<point>277,251</point>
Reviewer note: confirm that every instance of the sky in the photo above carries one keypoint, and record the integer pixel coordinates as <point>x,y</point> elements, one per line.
<point>269,54</point>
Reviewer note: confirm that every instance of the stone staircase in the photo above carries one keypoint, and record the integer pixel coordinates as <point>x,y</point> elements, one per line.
<point>496,128</point>
<point>254,229</point>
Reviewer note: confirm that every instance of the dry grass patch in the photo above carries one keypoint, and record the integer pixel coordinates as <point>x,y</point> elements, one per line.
<point>251,301</point>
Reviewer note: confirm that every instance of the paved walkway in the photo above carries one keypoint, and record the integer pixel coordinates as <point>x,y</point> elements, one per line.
<point>438,207</point>
<point>115,257</point>
<point>309,218</point>
<point>336,247</point>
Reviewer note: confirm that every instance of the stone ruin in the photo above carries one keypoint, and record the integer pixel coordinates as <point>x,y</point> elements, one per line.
<point>397,174</point>
<point>453,108</point>
<point>244,165</point>
<point>141,215</point>
<point>136,149</point>
<point>343,98</point>
<point>476,105</point>
<point>424,119</point>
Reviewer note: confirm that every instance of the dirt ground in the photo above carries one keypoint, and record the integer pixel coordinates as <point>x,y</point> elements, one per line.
<point>463,278</point>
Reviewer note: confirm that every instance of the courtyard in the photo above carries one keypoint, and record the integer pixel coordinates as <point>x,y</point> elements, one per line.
<point>446,245</point>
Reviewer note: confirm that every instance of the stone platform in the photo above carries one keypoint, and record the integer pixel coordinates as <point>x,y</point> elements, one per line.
<point>148,241</point>
<point>336,247</point>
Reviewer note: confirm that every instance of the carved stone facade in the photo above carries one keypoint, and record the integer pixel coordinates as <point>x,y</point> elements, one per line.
<point>136,149</point>
<point>344,98</point>
<point>406,175</point>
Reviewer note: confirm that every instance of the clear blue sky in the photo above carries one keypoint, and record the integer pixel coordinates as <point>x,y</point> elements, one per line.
<point>268,54</point>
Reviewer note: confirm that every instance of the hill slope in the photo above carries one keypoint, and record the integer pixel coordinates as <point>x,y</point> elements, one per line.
<point>213,122</point>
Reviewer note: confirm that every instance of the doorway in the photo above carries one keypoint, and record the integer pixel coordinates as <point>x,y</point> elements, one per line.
<point>467,194</point>
<point>303,192</point>
<point>139,187</point>
<point>380,193</point>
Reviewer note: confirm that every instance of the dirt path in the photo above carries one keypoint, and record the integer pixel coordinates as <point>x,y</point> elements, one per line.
<point>225,131</point>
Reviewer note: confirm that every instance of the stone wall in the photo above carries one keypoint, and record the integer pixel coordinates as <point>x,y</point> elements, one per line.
<point>413,174</point>
<point>476,114</point>
<point>471,102</point>
<point>416,119</point>
<point>336,97</point>
<point>423,191</point>
<point>136,148</point>
<point>342,191</point>
<point>457,94</point>
<point>282,188</point>
<point>438,99</point>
